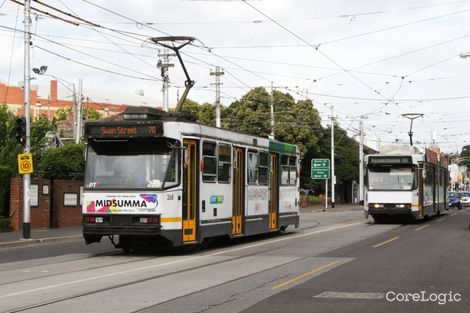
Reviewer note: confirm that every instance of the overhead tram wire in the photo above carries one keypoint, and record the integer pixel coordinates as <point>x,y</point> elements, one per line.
<point>399,55</point>
<point>297,65</point>
<point>348,37</point>
<point>88,23</point>
<point>96,67</point>
<point>340,16</point>
<point>105,36</point>
<point>316,48</point>
<point>165,33</point>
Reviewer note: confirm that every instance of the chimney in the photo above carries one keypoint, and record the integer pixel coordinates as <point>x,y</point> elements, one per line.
<point>54,90</point>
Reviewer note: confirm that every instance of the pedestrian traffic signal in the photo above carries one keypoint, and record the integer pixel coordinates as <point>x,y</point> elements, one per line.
<point>21,130</point>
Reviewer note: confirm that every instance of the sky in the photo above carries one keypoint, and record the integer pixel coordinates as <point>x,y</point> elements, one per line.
<point>362,60</point>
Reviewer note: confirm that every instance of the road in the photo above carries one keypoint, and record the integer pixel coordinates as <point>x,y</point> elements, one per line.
<point>336,262</point>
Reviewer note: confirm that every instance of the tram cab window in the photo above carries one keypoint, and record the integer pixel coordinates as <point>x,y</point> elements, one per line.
<point>263,174</point>
<point>252,167</point>
<point>209,173</point>
<point>136,164</point>
<point>224,163</point>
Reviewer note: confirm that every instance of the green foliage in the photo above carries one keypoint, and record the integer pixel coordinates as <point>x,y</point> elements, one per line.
<point>251,114</point>
<point>6,173</point>
<point>205,113</point>
<point>61,163</point>
<point>62,113</point>
<point>91,114</point>
<point>8,145</point>
<point>4,224</point>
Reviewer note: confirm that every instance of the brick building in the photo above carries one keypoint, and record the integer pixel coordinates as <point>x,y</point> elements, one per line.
<point>13,97</point>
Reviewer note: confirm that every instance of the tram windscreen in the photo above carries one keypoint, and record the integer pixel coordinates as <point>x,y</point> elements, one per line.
<point>133,164</point>
<point>392,177</point>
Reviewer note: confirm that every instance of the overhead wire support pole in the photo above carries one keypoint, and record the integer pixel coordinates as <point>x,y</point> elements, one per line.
<point>412,117</point>
<point>217,73</point>
<point>361,160</point>
<point>333,177</point>
<point>164,66</point>
<point>79,115</point>
<point>27,146</point>
<point>272,111</point>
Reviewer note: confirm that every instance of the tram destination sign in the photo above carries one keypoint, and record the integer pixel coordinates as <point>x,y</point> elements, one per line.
<point>320,169</point>
<point>124,130</point>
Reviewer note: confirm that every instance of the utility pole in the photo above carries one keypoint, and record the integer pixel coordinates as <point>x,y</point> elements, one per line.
<point>217,73</point>
<point>361,159</point>
<point>74,114</point>
<point>333,177</point>
<point>27,146</point>
<point>79,112</point>
<point>272,110</point>
<point>163,66</point>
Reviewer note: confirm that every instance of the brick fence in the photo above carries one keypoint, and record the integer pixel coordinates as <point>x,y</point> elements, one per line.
<point>54,203</point>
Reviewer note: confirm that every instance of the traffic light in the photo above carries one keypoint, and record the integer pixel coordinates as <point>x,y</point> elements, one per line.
<point>21,130</point>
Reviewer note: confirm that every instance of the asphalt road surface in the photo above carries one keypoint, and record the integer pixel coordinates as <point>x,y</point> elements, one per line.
<point>336,262</point>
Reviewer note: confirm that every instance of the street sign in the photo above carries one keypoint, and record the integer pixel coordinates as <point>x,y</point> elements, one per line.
<point>25,163</point>
<point>320,169</point>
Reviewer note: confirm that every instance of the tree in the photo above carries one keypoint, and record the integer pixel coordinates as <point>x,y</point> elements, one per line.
<point>91,114</point>
<point>204,114</point>
<point>62,113</point>
<point>63,162</point>
<point>295,122</point>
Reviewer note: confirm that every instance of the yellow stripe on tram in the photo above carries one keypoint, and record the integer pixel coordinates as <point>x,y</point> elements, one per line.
<point>170,219</point>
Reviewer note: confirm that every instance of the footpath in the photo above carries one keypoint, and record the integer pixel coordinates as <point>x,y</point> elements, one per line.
<point>41,236</point>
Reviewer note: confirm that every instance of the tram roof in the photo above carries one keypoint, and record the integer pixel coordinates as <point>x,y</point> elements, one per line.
<point>136,122</point>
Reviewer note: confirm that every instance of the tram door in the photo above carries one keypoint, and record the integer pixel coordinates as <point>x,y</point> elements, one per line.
<point>238,190</point>
<point>190,190</point>
<point>274,192</point>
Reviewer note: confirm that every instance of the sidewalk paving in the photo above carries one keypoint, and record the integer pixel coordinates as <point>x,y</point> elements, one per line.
<point>39,236</point>
<point>15,238</point>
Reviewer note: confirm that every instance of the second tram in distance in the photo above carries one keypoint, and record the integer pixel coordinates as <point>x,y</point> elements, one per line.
<point>154,179</point>
<point>407,182</point>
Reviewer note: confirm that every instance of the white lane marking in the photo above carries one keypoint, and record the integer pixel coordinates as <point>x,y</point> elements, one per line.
<point>351,295</point>
<point>453,214</point>
<point>385,242</point>
<point>424,226</point>
<point>176,261</point>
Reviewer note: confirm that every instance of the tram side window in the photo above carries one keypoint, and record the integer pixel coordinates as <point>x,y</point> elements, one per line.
<point>284,170</point>
<point>209,174</point>
<point>252,167</point>
<point>224,164</point>
<point>263,168</point>
<point>292,170</point>
<point>288,170</point>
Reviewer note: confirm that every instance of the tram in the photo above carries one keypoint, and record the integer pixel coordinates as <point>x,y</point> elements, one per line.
<point>406,182</point>
<point>156,179</point>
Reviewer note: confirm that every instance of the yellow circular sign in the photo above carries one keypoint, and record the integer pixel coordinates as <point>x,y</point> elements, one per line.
<point>25,163</point>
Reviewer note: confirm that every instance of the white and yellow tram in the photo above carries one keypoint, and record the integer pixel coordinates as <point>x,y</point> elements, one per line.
<point>404,181</point>
<point>155,179</point>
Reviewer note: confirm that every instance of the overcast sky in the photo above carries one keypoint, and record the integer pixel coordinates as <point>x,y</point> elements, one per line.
<point>376,59</point>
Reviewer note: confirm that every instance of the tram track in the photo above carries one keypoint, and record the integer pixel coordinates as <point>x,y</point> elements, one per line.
<point>285,237</point>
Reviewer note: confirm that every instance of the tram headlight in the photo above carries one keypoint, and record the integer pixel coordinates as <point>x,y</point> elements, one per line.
<point>375,206</point>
